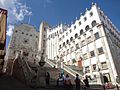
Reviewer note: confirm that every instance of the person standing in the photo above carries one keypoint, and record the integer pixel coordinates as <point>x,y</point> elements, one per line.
<point>87,86</point>
<point>47,78</point>
<point>67,82</point>
<point>77,82</point>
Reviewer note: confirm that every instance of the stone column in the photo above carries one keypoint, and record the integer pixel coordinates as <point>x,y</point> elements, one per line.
<point>41,77</point>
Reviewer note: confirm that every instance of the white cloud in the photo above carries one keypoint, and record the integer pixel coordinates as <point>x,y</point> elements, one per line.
<point>10,30</point>
<point>16,12</point>
<point>47,2</point>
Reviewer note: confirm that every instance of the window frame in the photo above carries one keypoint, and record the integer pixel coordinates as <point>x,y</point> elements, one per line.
<point>97,35</point>
<point>92,54</point>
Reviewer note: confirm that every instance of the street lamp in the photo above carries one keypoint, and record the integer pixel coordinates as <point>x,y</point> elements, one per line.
<point>42,61</point>
<point>100,75</point>
<point>61,61</point>
<point>57,61</point>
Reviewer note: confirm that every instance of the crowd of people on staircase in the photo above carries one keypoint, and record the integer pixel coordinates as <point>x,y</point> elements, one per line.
<point>65,81</point>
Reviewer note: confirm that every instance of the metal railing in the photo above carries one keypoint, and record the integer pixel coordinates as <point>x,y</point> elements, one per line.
<point>50,62</point>
<point>71,71</point>
<point>66,68</point>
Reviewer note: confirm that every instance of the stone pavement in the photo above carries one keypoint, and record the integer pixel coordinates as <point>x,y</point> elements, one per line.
<point>10,83</point>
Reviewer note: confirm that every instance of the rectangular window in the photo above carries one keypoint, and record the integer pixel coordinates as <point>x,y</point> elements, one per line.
<point>80,23</point>
<point>92,54</point>
<point>59,39</point>
<point>55,33</point>
<point>87,69</point>
<point>74,27</point>
<point>64,53</point>
<point>83,43</point>
<point>77,46</point>
<point>44,36</point>
<point>97,36</point>
<point>94,67</point>
<point>72,49</point>
<point>100,50</point>
<point>66,33</point>
<point>43,51</point>
<point>59,46</point>
<point>85,18</point>
<point>85,56</point>
<point>104,65</point>
<point>67,51</point>
<point>43,43</point>
<point>89,39</point>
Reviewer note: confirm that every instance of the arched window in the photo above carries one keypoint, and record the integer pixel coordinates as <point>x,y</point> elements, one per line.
<point>91,14</point>
<point>71,39</point>
<point>64,44</point>
<point>81,31</point>
<point>67,41</point>
<point>55,33</point>
<point>93,23</point>
<point>87,28</point>
<point>76,35</point>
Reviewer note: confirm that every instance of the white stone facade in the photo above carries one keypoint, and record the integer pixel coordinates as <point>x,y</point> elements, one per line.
<point>92,42</point>
<point>25,37</point>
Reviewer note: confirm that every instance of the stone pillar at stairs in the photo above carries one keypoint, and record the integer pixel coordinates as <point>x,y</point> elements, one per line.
<point>41,77</point>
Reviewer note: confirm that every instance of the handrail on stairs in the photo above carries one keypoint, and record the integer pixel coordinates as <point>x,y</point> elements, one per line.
<point>66,68</point>
<point>71,71</point>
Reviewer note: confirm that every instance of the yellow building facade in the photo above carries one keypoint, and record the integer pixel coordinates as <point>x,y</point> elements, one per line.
<point>3,23</point>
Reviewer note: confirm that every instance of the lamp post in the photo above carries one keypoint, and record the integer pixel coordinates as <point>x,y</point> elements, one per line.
<point>57,61</point>
<point>42,61</point>
<point>61,61</point>
<point>100,75</point>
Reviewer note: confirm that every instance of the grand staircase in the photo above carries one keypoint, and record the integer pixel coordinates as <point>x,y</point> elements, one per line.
<point>71,69</point>
<point>30,74</point>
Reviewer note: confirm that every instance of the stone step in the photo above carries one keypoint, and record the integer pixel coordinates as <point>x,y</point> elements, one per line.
<point>10,83</point>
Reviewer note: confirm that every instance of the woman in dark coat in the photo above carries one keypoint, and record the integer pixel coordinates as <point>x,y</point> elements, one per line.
<point>87,86</point>
<point>47,78</point>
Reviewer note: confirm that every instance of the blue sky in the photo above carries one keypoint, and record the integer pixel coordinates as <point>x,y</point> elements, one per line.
<point>55,11</point>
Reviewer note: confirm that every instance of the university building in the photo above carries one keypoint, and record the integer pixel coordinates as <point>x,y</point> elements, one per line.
<point>3,23</point>
<point>92,43</point>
